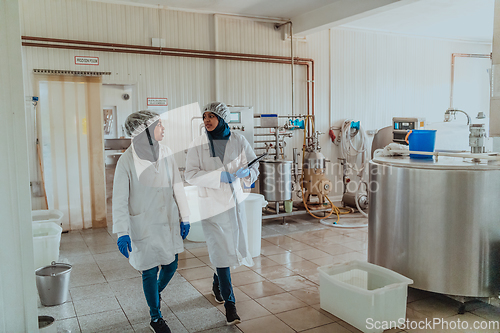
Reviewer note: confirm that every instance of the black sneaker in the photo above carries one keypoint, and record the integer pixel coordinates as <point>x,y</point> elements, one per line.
<point>216,293</point>
<point>231,315</point>
<point>160,326</point>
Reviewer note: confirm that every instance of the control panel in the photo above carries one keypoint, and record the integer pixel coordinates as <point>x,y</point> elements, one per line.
<point>242,121</point>
<point>401,126</point>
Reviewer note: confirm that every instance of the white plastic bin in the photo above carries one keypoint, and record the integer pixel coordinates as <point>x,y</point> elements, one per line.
<point>364,295</point>
<point>45,215</point>
<point>253,209</point>
<point>46,241</point>
<point>195,231</point>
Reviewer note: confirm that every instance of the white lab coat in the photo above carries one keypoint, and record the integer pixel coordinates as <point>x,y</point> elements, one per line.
<point>148,202</point>
<point>221,204</point>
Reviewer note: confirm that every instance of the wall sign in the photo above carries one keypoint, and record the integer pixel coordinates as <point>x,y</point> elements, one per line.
<point>157,101</point>
<point>86,60</point>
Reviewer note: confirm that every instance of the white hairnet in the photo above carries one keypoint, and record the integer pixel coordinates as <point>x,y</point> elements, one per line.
<point>219,109</point>
<point>138,121</point>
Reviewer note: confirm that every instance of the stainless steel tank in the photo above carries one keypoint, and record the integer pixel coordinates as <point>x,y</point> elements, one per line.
<point>276,180</point>
<point>314,160</point>
<point>315,182</point>
<point>437,223</point>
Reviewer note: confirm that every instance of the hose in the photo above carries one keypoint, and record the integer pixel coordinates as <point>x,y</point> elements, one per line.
<point>347,148</point>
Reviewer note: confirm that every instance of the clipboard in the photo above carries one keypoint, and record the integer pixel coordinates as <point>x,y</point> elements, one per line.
<point>255,160</point>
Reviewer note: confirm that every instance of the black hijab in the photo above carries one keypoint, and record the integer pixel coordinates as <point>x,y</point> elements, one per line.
<point>218,138</point>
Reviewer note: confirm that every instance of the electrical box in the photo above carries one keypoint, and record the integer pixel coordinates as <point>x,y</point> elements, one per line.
<point>269,120</point>
<point>242,121</point>
<point>401,126</point>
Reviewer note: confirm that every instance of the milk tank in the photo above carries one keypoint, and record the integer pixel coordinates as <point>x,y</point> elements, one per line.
<point>437,222</point>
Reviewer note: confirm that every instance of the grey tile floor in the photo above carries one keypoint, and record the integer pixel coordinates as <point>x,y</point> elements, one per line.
<point>279,294</point>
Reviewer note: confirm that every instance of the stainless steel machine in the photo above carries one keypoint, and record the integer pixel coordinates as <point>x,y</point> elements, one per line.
<point>276,180</point>
<point>276,173</point>
<point>437,222</point>
<point>315,182</point>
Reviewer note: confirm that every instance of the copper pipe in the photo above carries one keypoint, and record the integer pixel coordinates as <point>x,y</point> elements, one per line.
<point>173,54</point>
<point>176,52</point>
<point>141,47</point>
<point>312,96</point>
<point>307,87</point>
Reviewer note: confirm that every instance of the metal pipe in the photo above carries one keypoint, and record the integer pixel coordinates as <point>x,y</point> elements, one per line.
<point>277,140</point>
<point>159,52</point>
<point>291,56</point>
<point>285,116</point>
<point>176,52</point>
<point>277,26</point>
<point>463,55</point>
<point>265,141</point>
<point>143,47</point>
<point>458,155</point>
<point>312,96</point>
<point>451,112</point>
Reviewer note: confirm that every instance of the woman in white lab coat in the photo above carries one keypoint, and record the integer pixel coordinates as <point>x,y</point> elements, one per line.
<point>217,164</point>
<point>150,209</point>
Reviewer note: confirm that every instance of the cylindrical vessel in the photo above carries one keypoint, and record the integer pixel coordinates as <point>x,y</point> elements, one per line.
<point>436,223</point>
<point>276,180</point>
<point>52,283</point>
<point>314,160</point>
<point>314,181</point>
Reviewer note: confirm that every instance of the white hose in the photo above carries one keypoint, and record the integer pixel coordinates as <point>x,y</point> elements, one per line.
<point>348,149</point>
<point>335,225</point>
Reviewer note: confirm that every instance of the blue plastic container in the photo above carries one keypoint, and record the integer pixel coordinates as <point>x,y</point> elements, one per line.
<point>421,140</point>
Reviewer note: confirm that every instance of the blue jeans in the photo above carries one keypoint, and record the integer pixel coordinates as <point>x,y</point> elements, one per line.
<point>153,286</point>
<point>222,280</point>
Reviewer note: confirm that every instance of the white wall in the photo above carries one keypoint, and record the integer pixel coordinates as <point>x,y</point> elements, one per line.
<point>362,75</point>
<point>377,76</point>
<point>18,311</point>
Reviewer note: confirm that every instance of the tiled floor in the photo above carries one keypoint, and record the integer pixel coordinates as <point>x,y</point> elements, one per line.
<point>278,294</point>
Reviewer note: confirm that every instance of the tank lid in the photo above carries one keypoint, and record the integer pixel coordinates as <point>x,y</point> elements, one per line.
<point>443,163</point>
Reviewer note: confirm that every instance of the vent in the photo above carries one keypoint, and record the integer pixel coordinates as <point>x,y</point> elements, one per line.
<point>68,72</point>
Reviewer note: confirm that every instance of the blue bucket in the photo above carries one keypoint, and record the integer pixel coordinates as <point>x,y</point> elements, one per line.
<point>421,140</point>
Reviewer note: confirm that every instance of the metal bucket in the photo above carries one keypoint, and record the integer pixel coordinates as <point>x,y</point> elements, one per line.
<point>52,283</point>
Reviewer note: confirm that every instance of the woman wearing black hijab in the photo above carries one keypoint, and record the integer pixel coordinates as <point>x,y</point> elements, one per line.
<point>217,164</point>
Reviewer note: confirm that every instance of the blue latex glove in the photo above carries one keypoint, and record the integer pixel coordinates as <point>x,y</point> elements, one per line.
<point>185,229</point>
<point>124,245</point>
<point>243,172</point>
<point>226,177</point>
